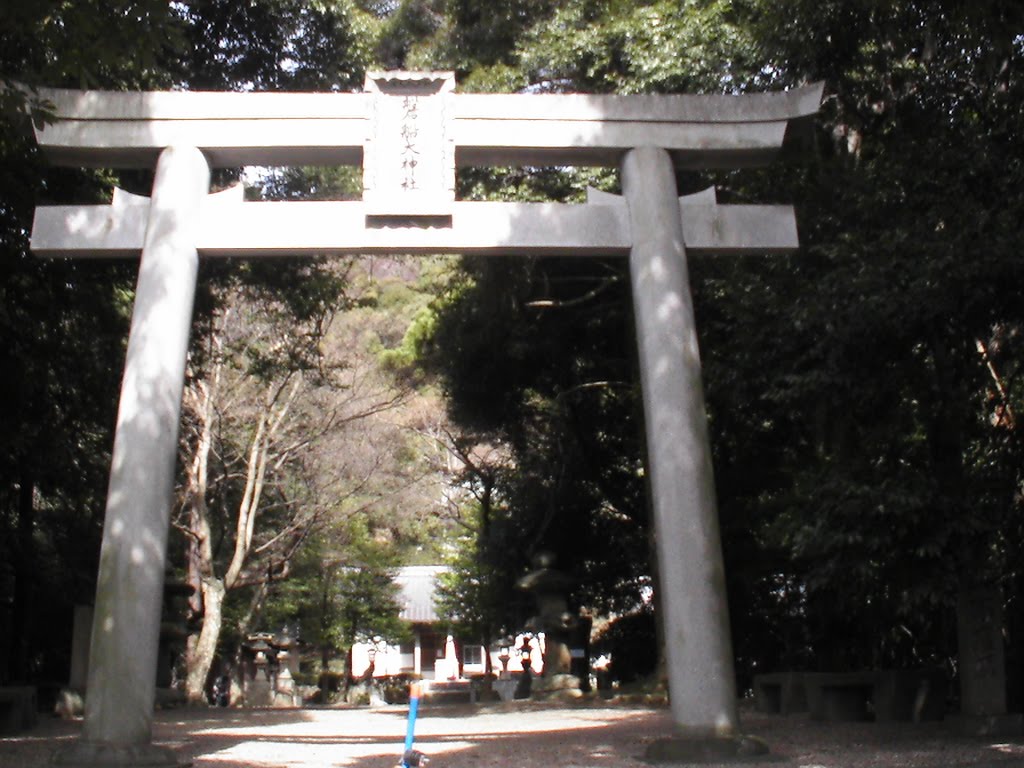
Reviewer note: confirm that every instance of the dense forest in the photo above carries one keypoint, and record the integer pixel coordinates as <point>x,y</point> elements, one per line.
<point>863,392</point>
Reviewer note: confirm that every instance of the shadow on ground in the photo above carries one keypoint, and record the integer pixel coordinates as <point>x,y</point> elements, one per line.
<point>514,736</point>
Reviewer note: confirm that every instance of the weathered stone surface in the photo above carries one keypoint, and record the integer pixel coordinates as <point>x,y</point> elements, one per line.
<point>123,653</point>
<point>982,655</point>
<point>130,129</point>
<point>409,154</point>
<point>556,687</point>
<point>691,574</point>
<point>885,695</point>
<point>230,227</point>
<point>780,693</point>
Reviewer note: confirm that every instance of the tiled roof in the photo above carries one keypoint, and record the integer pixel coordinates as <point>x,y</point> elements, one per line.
<point>418,585</point>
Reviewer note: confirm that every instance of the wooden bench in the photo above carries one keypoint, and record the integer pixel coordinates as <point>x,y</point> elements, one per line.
<point>18,709</point>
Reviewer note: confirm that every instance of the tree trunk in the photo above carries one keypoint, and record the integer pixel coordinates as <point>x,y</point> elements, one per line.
<point>199,649</point>
<point>347,676</point>
<point>325,673</point>
<point>206,645</point>
<point>201,397</point>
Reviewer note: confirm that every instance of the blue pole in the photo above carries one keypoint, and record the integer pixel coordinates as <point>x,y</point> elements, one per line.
<point>414,705</point>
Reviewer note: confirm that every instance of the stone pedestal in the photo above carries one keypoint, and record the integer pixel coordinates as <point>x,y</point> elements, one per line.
<point>258,692</point>
<point>558,687</point>
<point>284,689</point>
<point>702,686</point>
<point>506,688</point>
<point>550,589</point>
<point>126,627</point>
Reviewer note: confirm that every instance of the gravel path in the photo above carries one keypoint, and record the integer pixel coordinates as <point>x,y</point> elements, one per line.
<point>513,736</point>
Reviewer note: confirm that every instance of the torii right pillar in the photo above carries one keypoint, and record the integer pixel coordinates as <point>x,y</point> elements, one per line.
<point>702,687</point>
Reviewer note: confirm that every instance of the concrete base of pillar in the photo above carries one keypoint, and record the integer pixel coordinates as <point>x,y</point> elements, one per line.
<point>987,725</point>
<point>709,749</point>
<point>85,754</point>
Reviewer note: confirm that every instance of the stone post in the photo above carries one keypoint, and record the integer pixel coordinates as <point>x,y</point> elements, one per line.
<point>80,635</point>
<point>129,591</point>
<point>983,705</point>
<point>702,686</point>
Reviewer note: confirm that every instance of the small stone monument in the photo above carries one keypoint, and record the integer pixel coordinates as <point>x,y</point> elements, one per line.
<point>983,665</point>
<point>71,700</point>
<point>259,686</point>
<point>285,694</point>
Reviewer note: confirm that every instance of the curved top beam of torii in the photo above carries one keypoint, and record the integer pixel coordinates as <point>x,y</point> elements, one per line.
<point>410,131</point>
<point>115,129</point>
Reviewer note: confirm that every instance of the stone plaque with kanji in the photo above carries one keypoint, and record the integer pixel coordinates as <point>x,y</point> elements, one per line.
<point>409,154</point>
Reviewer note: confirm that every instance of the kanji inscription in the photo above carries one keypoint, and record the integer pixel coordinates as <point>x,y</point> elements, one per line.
<point>409,157</point>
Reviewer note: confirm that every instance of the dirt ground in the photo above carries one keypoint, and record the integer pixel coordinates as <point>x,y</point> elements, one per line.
<point>513,735</point>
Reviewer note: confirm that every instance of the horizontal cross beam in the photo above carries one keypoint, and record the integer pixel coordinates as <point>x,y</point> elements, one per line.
<point>230,227</point>
<point>113,129</point>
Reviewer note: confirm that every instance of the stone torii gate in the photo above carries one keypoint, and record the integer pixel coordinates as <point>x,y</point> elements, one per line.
<point>410,131</point>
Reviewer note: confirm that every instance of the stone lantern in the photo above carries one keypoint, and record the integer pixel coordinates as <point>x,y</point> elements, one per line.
<point>550,588</point>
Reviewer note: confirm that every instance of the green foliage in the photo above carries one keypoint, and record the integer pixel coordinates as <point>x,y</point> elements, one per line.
<point>632,644</point>
<point>900,469</point>
<point>272,45</point>
<point>341,592</point>
<point>858,426</point>
<point>419,333</point>
<point>605,46</point>
<point>87,44</point>
<point>407,28</point>
<point>477,595</point>
<point>533,350</point>
<point>416,307</point>
<point>485,34</point>
<point>62,327</point>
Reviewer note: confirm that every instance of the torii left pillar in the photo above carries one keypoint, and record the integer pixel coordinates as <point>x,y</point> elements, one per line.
<point>129,591</point>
